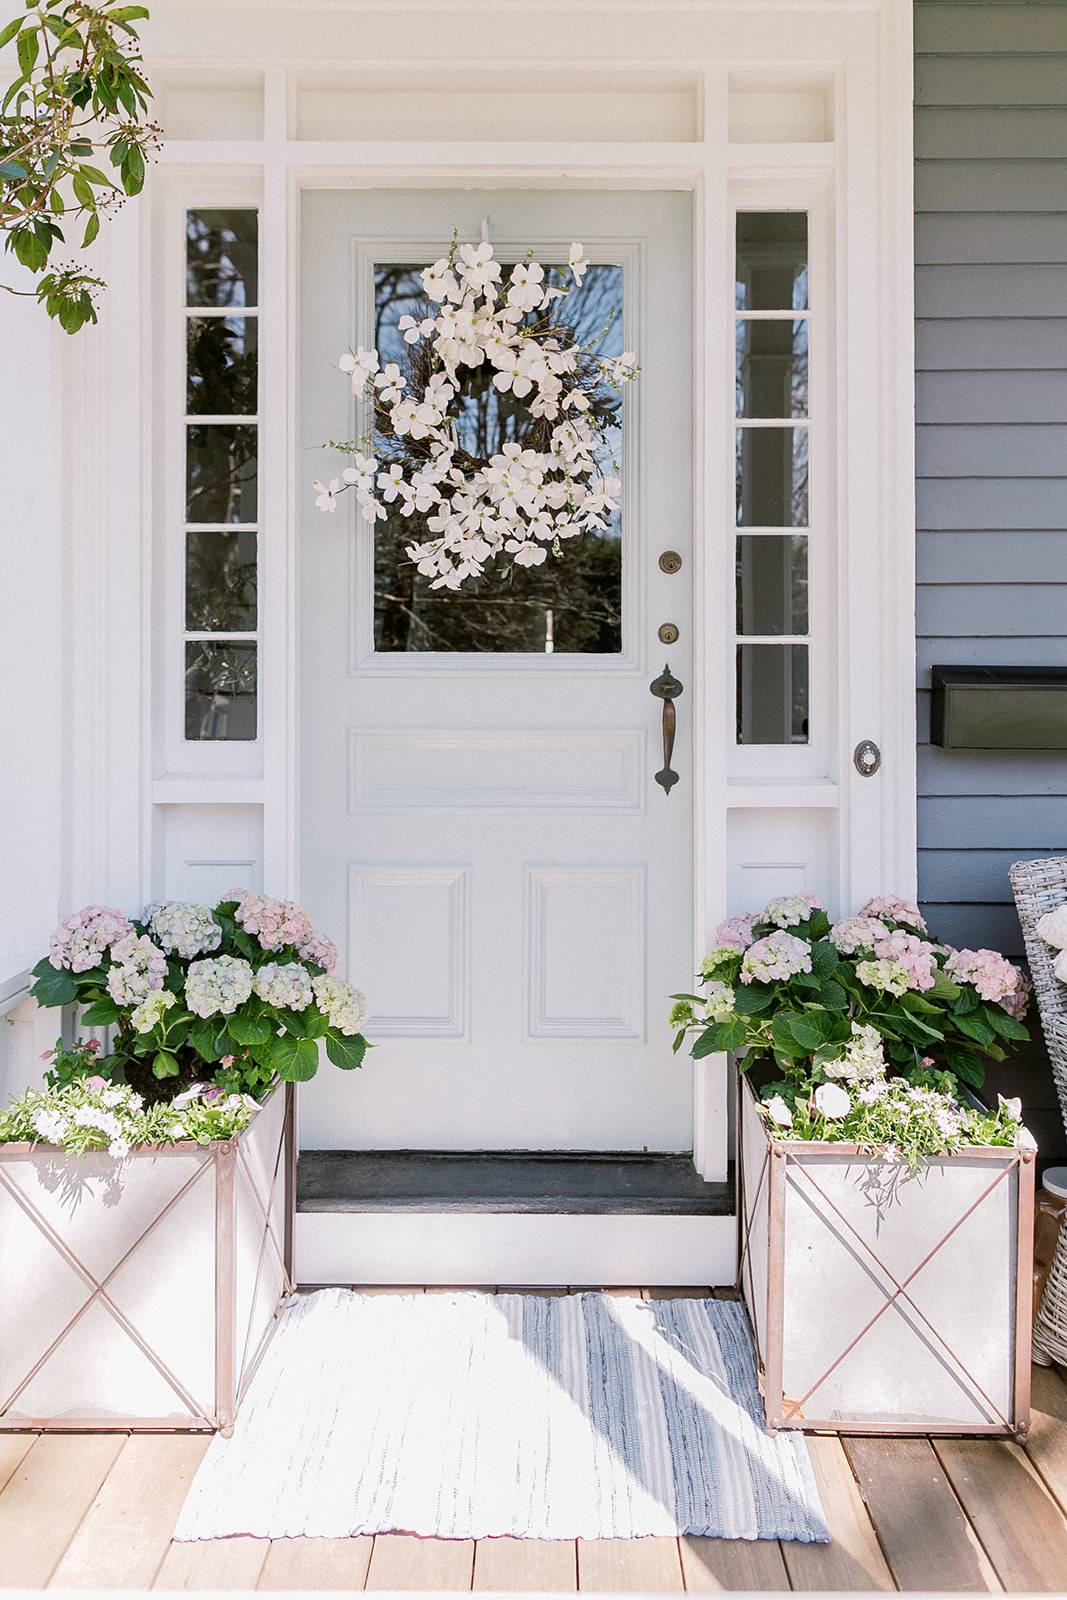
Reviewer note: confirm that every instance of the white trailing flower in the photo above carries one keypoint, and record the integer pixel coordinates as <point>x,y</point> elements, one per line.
<point>343,1007</point>
<point>778,1111</point>
<point>833,1101</point>
<point>520,502</point>
<point>217,986</point>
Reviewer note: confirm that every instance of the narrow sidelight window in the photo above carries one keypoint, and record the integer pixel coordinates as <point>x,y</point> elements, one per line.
<point>772,330</point>
<point>220,607</point>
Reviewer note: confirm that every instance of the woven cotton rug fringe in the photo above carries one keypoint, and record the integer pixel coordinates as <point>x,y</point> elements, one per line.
<point>468,1416</point>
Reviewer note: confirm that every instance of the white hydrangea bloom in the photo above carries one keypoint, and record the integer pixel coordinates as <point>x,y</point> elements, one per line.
<point>284,984</point>
<point>217,986</point>
<point>718,1003</point>
<point>184,929</point>
<point>145,1016</point>
<point>861,1059</point>
<point>343,1007</point>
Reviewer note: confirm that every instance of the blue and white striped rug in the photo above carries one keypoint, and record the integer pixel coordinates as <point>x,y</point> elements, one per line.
<point>466,1416</point>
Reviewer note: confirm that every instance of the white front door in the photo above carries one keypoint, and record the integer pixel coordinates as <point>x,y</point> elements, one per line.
<point>480,822</point>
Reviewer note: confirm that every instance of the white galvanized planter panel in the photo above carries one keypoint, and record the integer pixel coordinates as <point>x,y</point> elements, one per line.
<point>140,1294</point>
<point>882,1303</point>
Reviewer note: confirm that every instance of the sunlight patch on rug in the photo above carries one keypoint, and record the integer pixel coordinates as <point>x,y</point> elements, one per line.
<point>468,1416</point>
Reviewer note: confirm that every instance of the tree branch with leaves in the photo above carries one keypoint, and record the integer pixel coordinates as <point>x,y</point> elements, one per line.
<point>78,98</point>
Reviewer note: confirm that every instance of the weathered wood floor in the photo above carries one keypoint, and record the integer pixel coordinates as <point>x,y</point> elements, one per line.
<point>95,1511</point>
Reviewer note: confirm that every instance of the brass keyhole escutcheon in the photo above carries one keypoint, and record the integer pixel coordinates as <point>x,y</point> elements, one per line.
<point>670,561</point>
<point>668,633</point>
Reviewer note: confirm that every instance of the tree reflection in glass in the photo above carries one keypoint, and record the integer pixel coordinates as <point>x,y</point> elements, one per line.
<point>572,603</point>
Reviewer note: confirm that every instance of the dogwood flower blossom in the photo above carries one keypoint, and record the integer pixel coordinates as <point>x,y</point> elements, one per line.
<point>217,986</point>
<point>577,263</point>
<point>778,1111</point>
<point>360,367</point>
<point>775,958</point>
<point>80,941</point>
<point>343,1007</point>
<point>832,1101</point>
<point>183,930</point>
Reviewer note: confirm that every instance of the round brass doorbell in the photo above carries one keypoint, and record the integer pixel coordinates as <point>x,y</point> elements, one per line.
<point>670,561</point>
<point>668,633</point>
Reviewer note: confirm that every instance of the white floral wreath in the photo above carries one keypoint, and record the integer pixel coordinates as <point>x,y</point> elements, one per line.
<point>525,500</point>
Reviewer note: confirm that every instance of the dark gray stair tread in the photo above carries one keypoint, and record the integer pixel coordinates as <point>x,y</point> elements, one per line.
<point>628,1184</point>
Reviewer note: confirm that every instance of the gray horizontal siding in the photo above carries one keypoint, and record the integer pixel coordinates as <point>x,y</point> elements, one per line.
<point>991,399</point>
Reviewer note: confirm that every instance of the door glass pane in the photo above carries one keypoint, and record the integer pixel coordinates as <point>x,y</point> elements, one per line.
<point>772,477</point>
<point>221,258</point>
<point>220,689</point>
<point>220,473</point>
<point>772,584</point>
<point>571,603</point>
<point>220,582</point>
<point>772,368</point>
<point>772,694</point>
<point>221,366</point>
<point>772,261</point>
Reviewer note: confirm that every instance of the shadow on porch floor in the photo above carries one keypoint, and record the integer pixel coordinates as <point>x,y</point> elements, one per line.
<point>95,1511</point>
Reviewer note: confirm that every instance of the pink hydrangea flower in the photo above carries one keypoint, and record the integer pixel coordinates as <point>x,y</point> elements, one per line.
<point>992,974</point>
<point>80,940</point>
<point>736,931</point>
<point>915,955</point>
<point>775,958</point>
<point>319,950</point>
<point>892,909</point>
<point>1018,1003</point>
<point>140,966</point>
<point>857,933</point>
<point>273,922</point>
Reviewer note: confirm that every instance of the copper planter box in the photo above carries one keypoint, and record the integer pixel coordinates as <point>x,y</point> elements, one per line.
<point>142,1294</point>
<point>881,1303</point>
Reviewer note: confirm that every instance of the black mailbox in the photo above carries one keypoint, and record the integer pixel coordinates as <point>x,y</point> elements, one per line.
<point>999,708</point>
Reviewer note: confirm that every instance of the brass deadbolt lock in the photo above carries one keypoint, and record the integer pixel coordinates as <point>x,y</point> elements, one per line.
<point>668,633</point>
<point>670,561</point>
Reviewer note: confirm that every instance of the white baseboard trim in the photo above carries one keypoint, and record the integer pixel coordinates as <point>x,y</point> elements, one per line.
<point>510,1248</point>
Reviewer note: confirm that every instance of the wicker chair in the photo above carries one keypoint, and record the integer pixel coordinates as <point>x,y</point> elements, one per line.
<point>1041,886</point>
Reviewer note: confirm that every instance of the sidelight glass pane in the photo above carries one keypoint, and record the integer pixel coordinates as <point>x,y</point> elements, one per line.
<point>220,582</point>
<point>220,690</point>
<point>772,583</point>
<point>222,257</point>
<point>772,694</point>
<point>221,366</point>
<point>571,604</point>
<point>772,477</point>
<point>772,368</point>
<point>220,473</point>
<point>772,261</point>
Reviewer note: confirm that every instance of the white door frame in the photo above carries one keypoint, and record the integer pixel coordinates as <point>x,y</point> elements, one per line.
<point>861,51</point>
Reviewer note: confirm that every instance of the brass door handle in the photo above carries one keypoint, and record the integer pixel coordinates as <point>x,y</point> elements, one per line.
<point>667,688</point>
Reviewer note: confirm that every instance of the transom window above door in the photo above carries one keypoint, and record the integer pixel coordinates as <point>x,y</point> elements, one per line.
<point>571,604</point>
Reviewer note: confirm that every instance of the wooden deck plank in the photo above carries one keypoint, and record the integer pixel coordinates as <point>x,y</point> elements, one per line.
<point>924,1535</point>
<point>628,1565</point>
<point>46,1498</point>
<point>712,1566</point>
<point>700,1292</point>
<point>126,1532</point>
<point>404,1561</point>
<point>853,1559</point>
<point>1017,1520</point>
<point>1047,1445</point>
<point>213,1564</point>
<point>316,1564</point>
<point>526,1566</point>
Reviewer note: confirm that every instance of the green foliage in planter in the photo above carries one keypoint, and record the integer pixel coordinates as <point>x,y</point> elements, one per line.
<point>76,105</point>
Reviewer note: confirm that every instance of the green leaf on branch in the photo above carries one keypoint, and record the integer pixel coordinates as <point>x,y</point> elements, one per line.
<point>101,1013</point>
<point>294,1060</point>
<point>965,1064</point>
<point>975,1027</point>
<point>752,998</point>
<point>203,1038</point>
<point>833,997</point>
<point>824,959</point>
<point>1007,1027</point>
<point>54,986</point>
<point>248,1030</point>
<point>720,1036</point>
<point>347,1052</point>
<point>165,1065</point>
<point>807,1030</point>
<point>28,48</point>
<point>8,33</point>
<point>785,1040</point>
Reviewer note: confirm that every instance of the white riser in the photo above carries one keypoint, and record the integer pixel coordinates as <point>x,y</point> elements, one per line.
<point>420,1247</point>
